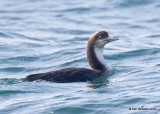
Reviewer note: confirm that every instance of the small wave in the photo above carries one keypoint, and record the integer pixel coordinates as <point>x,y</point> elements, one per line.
<point>4,35</point>
<point>154,36</point>
<point>73,110</point>
<point>134,53</point>
<point>11,92</point>
<point>71,31</point>
<point>17,35</point>
<point>76,10</point>
<point>132,3</point>
<point>9,81</point>
<point>23,58</point>
<point>13,69</point>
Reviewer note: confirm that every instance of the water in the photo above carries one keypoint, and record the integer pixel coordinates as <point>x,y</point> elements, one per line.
<point>39,36</point>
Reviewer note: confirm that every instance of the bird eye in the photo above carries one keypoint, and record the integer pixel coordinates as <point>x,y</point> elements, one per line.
<point>100,37</point>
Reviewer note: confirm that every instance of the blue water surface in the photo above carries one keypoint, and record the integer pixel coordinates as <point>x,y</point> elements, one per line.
<point>44,35</point>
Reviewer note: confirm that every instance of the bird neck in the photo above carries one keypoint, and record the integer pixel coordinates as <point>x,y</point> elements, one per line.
<point>95,57</point>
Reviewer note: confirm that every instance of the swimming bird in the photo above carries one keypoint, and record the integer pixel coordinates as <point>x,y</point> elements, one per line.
<point>95,47</point>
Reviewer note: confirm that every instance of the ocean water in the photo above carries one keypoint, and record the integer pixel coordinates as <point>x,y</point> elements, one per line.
<point>44,35</point>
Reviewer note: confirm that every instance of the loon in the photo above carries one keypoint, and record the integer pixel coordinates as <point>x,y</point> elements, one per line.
<point>95,47</point>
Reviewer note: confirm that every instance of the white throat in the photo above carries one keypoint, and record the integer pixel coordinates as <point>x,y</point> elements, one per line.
<point>99,54</point>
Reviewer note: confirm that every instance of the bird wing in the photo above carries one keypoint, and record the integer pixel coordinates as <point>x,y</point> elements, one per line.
<point>65,75</point>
